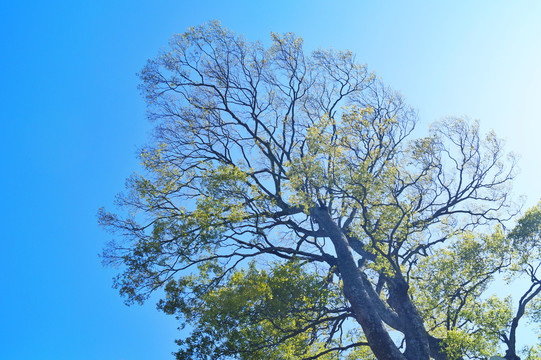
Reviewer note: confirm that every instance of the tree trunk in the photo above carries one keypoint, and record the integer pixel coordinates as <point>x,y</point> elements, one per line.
<point>365,310</point>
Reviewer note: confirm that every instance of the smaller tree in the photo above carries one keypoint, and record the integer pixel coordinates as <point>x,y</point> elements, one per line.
<point>526,243</point>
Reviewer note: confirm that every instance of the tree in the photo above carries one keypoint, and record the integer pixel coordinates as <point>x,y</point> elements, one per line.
<point>288,212</point>
<point>526,244</point>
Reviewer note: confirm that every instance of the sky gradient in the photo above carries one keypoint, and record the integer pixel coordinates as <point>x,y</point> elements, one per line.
<point>72,120</point>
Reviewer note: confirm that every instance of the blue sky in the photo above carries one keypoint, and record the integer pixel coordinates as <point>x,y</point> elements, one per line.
<point>72,119</point>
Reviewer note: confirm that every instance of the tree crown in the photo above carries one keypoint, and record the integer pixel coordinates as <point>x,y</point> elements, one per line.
<point>285,200</point>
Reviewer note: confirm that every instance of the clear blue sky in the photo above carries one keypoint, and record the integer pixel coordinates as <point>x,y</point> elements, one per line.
<point>71,120</point>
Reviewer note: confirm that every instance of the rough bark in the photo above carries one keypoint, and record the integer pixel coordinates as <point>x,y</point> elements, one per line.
<point>437,351</point>
<point>414,331</point>
<point>366,311</point>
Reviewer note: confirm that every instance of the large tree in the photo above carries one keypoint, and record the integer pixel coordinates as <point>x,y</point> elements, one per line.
<point>287,211</point>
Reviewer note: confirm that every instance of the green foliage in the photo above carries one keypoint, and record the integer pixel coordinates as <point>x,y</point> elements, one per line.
<point>532,352</point>
<point>449,287</point>
<point>526,235</point>
<point>278,313</point>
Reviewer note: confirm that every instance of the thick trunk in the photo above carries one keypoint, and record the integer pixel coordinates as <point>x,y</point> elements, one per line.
<point>366,310</point>
<point>511,355</point>
<point>415,334</point>
<point>437,350</point>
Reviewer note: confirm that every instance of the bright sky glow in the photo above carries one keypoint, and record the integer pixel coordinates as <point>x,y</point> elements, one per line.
<point>72,119</point>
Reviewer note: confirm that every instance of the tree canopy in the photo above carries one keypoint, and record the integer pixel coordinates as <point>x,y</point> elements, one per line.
<point>289,211</point>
